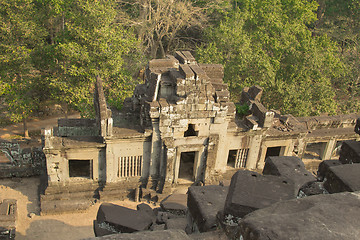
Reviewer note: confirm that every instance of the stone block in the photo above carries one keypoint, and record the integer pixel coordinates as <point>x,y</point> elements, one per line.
<point>171,234</point>
<point>343,178</point>
<point>158,227</point>
<point>199,72</point>
<point>250,191</point>
<point>214,235</point>
<point>7,233</point>
<point>289,167</point>
<point>123,219</point>
<point>350,152</point>
<point>204,202</point>
<point>175,203</point>
<point>176,223</point>
<point>186,71</point>
<point>213,70</point>
<point>145,208</point>
<point>328,216</point>
<point>324,167</point>
<point>61,206</point>
<point>312,188</point>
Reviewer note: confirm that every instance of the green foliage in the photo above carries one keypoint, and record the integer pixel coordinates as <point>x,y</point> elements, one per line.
<point>340,20</point>
<point>268,43</point>
<point>242,110</point>
<point>20,35</point>
<point>88,42</point>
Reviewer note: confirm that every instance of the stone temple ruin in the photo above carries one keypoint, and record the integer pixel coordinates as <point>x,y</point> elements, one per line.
<point>286,201</point>
<point>178,127</point>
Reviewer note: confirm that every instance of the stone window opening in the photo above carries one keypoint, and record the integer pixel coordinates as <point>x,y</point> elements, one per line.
<point>314,150</point>
<point>191,131</point>
<point>80,168</point>
<point>130,166</point>
<point>237,158</point>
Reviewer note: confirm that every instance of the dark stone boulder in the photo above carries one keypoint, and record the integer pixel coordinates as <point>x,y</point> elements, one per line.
<point>328,216</point>
<point>162,217</point>
<point>145,208</point>
<point>122,219</point>
<point>214,235</point>
<point>176,223</point>
<point>250,191</point>
<point>171,234</point>
<point>175,203</point>
<point>313,188</point>
<point>204,202</point>
<point>324,167</point>
<point>350,152</point>
<point>343,178</point>
<point>292,168</point>
<point>7,233</point>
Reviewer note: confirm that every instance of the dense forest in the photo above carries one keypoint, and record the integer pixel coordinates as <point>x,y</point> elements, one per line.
<point>305,54</point>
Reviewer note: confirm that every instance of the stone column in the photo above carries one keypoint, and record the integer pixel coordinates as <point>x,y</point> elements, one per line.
<point>254,149</point>
<point>171,158</point>
<point>328,147</point>
<point>156,144</point>
<point>111,168</point>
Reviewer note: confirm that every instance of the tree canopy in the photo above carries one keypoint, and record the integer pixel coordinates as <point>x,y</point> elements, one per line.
<point>305,54</point>
<point>270,44</point>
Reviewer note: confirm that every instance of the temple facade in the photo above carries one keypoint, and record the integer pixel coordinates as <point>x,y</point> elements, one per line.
<point>180,125</point>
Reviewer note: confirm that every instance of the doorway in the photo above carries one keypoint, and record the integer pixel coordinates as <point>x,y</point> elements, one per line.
<point>232,158</point>
<point>186,170</point>
<point>273,151</point>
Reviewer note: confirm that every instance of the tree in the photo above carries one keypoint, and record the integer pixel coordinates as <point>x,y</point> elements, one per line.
<point>20,35</point>
<point>269,43</point>
<point>340,20</point>
<point>165,25</point>
<point>85,41</point>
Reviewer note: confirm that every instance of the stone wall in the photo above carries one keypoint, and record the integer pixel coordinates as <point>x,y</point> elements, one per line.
<point>20,162</point>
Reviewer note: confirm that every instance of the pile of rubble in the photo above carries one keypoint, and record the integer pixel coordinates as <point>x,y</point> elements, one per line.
<point>8,218</point>
<point>284,202</point>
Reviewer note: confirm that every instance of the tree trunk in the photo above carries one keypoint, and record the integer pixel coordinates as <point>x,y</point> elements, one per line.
<point>26,130</point>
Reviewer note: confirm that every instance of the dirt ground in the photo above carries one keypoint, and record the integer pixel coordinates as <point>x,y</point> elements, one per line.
<point>34,125</point>
<point>65,226</point>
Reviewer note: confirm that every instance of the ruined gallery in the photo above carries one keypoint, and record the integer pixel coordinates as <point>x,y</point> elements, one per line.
<point>179,126</point>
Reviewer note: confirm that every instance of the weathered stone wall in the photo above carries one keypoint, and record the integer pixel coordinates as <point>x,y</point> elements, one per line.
<point>22,162</point>
<point>77,127</point>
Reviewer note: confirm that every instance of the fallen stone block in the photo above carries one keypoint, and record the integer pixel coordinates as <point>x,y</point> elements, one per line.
<point>328,216</point>
<point>157,227</point>
<point>7,233</point>
<point>123,219</point>
<point>313,188</point>
<point>292,168</point>
<point>145,208</point>
<point>350,152</point>
<point>102,229</point>
<point>162,217</point>
<point>176,223</point>
<point>204,202</point>
<point>171,234</point>
<point>343,178</point>
<point>250,191</point>
<point>175,203</point>
<point>324,167</point>
<point>214,235</point>
<point>61,206</point>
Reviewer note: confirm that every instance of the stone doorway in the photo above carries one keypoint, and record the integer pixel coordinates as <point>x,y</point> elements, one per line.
<point>186,169</point>
<point>232,158</point>
<point>273,151</point>
<point>80,168</point>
